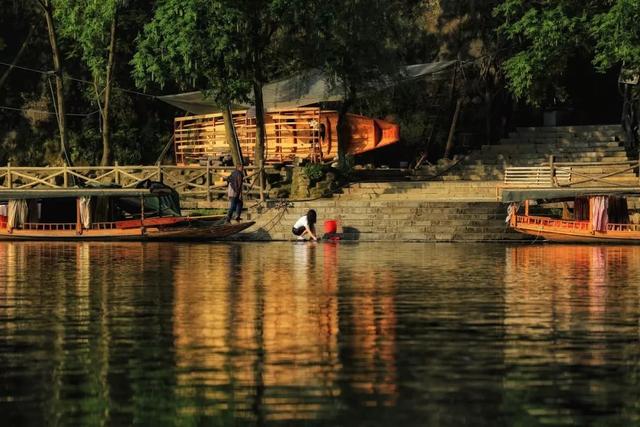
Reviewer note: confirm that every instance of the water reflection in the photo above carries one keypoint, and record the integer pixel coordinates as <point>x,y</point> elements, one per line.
<point>326,334</point>
<point>572,331</point>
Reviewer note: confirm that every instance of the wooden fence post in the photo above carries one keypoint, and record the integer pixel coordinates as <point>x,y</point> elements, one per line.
<point>65,176</point>
<point>208,181</point>
<point>159,173</point>
<point>9,177</point>
<point>552,171</point>
<point>117,173</point>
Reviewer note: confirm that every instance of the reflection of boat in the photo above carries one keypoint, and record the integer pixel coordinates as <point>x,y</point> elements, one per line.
<point>589,215</point>
<point>291,133</point>
<point>150,213</point>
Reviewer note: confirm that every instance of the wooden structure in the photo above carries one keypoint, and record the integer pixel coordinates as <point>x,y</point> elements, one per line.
<point>195,181</point>
<point>125,214</point>
<point>303,133</point>
<point>594,205</point>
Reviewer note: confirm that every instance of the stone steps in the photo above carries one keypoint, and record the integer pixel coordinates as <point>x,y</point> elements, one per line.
<point>532,146</point>
<point>581,129</point>
<point>427,221</point>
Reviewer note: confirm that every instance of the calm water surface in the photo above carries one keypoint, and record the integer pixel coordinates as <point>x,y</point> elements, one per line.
<point>319,334</point>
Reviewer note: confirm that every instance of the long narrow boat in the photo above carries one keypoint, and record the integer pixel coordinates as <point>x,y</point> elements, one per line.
<point>151,213</point>
<point>588,215</point>
<point>303,133</point>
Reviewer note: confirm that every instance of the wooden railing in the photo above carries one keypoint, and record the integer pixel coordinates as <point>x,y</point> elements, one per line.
<point>550,222</point>
<point>207,181</point>
<point>289,134</point>
<point>574,174</point>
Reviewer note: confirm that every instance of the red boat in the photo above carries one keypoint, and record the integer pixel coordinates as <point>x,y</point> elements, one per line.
<point>588,215</point>
<point>105,214</point>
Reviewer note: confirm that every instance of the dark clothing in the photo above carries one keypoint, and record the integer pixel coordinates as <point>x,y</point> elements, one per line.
<point>234,192</point>
<point>235,183</point>
<point>298,231</point>
<point>235,204</point>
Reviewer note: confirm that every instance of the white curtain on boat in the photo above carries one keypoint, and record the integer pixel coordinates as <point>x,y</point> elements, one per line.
<point>599,206</point>
<point>17,213</point>
<point>85,212</point>
<point>512,211</point>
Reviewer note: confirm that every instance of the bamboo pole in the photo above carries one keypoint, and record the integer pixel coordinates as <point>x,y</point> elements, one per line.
<point>452,129</point>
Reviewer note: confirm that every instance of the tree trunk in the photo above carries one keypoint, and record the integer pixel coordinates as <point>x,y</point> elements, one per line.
<point>344,133</point>
<point>106,124</point>
<point>17,57</point>
<point>452,130</point>
<point>260,134</point>
<point>57,68</point>
<point>488,102</point>
<point>230,133</point>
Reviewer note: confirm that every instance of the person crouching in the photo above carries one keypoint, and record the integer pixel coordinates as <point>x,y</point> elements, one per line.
<point>306,226</point>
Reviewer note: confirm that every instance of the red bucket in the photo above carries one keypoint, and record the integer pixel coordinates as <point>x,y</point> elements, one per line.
<point>330,226</point>
<point>3,221</point>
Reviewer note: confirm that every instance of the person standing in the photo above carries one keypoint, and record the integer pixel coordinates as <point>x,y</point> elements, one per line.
<point>234,191</point>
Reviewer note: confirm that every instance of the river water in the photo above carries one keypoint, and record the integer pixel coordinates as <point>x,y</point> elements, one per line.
<point>319,334</point>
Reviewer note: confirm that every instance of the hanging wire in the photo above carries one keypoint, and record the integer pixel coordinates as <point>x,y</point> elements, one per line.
<point>75,79</point>
<point>52,113</point>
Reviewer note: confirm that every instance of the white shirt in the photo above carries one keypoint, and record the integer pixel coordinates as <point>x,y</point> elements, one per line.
<point>302,222</point>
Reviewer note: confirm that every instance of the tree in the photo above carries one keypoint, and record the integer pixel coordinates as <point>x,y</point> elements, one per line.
<point>546,35</point>
<point>196,44</point>
<point>48,12</point>
<point>93,27</point>
<point>355,49</point>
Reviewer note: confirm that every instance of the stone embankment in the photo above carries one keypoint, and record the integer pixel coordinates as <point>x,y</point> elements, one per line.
<point>400,211</point>
<point>533,146</point>
<point>462,205</point>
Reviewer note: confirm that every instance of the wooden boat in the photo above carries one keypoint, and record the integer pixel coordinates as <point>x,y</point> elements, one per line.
<point>151,213</point>
<point>589,215</point>
<point>304,133</point>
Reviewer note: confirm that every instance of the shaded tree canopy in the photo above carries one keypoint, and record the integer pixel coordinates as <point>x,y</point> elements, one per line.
<point>521,49</point>
<point>545,36</point>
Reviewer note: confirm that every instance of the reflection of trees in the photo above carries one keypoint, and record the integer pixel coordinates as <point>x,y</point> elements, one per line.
<point>88,312</point>
<point>572,318</point>
<point>154,332</point>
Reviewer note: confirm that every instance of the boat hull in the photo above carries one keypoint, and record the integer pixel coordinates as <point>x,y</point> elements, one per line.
<point>578,235</point>
<point>198,233</point>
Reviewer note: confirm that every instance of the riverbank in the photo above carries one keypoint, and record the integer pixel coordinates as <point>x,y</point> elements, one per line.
<point>394,211</point>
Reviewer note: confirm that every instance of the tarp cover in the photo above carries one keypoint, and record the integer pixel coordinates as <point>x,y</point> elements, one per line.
<point>304,89</point>
<point>520,195</point>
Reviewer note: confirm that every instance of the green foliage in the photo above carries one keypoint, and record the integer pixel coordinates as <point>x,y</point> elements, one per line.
<point>617,35</point>
<point>196,44</point>
<point>87,24</point>
<point>314,171</point>
<point>545,36</point>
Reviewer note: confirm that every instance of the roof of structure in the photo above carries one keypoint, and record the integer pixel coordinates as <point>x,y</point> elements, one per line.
<point>304,89</point>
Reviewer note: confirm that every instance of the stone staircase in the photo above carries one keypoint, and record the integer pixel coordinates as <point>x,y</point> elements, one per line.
<point>533,146</point>
<point>462,205</point>
<point>400,211</point>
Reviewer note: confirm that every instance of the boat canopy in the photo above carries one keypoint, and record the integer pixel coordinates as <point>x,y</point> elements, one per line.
<point>53,193</point>
<point>522,194</point>
<point>304,89</point>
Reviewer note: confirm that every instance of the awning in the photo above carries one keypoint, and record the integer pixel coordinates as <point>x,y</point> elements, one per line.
<point>304,89</point>
<point>51,193</point>
<point>522,194</point>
